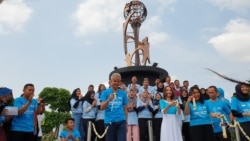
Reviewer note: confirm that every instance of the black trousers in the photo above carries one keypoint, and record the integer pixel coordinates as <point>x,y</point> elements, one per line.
<point>143,127</point>
<point>99,125</point>
<point>246,127</point>
<point>185,131</point>
<point>22,136</point>
<point>85,128</point>
<point>157,128</point>
<point>202,133</point>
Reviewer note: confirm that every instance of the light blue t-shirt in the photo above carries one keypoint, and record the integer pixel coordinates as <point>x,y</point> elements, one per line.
<point>145,113</point>
<point>91,114</point>
<point>24,122</point>
<point>78,109</point>
<point>158,114</point>
<point>114,112</point>
<point>171,110</point>
<point>199,115</point>
<point>132,118</point>
<point>218,107</point>
<point>76,134</point>
<point>100,113</point>
<point>241,107</point>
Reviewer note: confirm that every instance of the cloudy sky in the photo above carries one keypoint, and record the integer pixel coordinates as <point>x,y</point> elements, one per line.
<point>70,44</point>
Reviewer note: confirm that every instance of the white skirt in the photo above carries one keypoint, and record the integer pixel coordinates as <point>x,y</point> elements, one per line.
<point>170,128</point>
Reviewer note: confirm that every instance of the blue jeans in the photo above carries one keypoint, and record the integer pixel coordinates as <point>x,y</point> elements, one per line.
<point>116,131</point>
<point>78,124</point>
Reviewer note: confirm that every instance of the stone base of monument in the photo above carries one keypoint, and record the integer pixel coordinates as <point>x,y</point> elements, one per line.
<point>140,72</point>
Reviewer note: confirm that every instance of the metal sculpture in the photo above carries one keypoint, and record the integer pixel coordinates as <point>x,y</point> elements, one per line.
<point>135,13</point>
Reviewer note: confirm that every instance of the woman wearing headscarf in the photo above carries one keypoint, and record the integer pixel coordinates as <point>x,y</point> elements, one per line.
<point>76,101</point>
<point>132,121</point>
<point>145,109</point>
<point>89,113</point>
<point>157,116</point>
<point>240,108</point>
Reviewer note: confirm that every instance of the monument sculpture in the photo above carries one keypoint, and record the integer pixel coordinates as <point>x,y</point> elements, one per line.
<point>137,52</point>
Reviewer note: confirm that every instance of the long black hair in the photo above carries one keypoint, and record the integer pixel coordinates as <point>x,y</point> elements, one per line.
<point>191,90</point>
<point>88,98</point>
<point>73,95</point>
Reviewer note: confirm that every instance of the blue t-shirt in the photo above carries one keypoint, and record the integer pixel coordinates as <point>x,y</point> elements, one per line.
<point>114,112</point>
<point>171,110</point>
<point>218,107</point>
<point>241,107</point>
<point>24,122</point>
<point>64,134</point>
<point>199,115</point>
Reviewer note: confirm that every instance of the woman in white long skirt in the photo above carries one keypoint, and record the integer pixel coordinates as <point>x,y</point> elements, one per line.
<point>170,128</point>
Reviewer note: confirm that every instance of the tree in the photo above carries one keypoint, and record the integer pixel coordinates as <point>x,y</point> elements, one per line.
<point>57,101</point>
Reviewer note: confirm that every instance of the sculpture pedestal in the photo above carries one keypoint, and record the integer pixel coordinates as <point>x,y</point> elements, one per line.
<point>141,72</point>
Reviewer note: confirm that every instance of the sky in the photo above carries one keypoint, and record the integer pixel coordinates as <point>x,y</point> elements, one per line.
<point>71,44</point>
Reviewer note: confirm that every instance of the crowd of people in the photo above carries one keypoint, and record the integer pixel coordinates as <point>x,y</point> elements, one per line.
<point>127,112</point>
<point>20,120</point>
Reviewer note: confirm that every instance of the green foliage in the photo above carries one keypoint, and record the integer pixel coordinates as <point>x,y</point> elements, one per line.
<point>49,137</point>
<point>52,120</point>
<point>57,100</point>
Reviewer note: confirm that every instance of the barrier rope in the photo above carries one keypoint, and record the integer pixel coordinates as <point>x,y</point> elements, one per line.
<point>236,123</point>
<point>97,134</point>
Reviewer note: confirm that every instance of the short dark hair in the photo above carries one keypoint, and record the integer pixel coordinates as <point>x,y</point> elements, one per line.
<point>27,85</point>
<point>91,85</point>
<point>68,119</point>
<point>213,87</point>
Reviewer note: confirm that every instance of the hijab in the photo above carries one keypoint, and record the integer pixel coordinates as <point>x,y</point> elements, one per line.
<point>156,101</point>
<point>88,98</point>
<point>239,94</point>
<point>132,100</point>
<point>144,99</point>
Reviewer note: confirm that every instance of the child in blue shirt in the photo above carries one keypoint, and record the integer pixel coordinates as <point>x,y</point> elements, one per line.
<point>70,134</point>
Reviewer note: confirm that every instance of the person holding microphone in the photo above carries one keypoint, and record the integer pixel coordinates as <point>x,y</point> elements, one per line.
<point>114,101</point>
